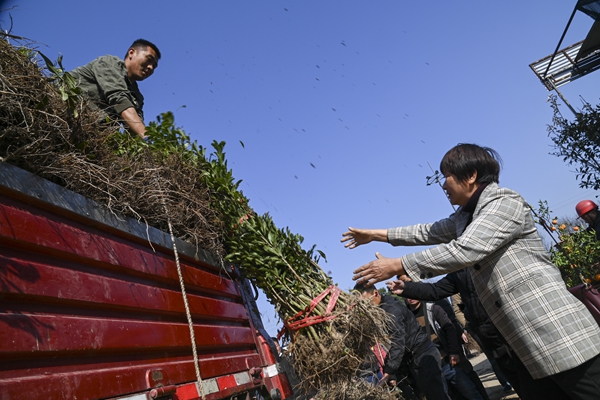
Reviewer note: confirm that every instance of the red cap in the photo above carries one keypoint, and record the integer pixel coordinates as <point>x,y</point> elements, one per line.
<point>585,206</point>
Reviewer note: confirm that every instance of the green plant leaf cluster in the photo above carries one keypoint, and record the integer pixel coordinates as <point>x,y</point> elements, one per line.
<point>64,82</point>
<point>138,177</point>
<point>576,251</point>
<point>272,258</point>
<point>578,142</point>
<point>577,256</point>
<point>275,261</point>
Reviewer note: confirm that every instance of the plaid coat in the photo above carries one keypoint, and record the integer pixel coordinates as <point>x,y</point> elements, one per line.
<point>519,287</point>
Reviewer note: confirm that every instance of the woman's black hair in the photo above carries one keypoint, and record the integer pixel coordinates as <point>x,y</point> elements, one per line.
<point>464,159</point>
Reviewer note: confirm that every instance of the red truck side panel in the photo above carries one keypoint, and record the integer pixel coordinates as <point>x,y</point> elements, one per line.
<point>89,309</point>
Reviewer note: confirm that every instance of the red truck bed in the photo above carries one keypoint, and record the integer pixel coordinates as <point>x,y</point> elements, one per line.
<point>90,309</point>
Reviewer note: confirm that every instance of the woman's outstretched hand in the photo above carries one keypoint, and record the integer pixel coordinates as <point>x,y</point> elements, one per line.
<point>355,237</point>
<point>378,270</point>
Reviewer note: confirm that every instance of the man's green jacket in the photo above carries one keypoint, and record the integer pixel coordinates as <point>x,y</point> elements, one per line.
<point>104,81</point>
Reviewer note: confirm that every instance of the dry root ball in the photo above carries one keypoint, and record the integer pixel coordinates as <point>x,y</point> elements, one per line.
<point>334,361</point>
<point>356,390</point>
<point>34,122</point>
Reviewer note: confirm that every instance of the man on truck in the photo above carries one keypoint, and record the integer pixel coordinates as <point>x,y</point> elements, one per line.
<point>111,83</point>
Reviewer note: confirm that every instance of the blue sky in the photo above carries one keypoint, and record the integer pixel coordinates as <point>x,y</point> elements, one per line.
<point>340,104</point>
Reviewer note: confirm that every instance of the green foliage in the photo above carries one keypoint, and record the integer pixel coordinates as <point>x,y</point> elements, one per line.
<point>226,196</point>
<point>578,142</point>
<point>542,215</point>
<point>27,52</point>
<point>166,140</point>
<point>577,255</point>
<point>576,252</point>
<point>275,261</point>
<point>64,83</point>
<point>272,258</point>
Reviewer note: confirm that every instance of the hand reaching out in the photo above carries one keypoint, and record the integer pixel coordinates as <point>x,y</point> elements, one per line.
<point>356,237</point>
<point>378,270</point>
<point>396,287</point>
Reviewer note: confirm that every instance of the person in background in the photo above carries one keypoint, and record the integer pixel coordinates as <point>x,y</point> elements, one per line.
<point>277,346</point>
<point>587,210</point>
<point>494,236</point>
<point>455,366</point>
<point>471,346</point>
<point>472,340</point>
<point>491,341</point>
<point>410,346</point>
<point>111,83</point>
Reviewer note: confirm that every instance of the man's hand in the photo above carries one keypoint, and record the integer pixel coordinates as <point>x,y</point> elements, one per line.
<point>396,287</point>
<point>454,359</point>
<point>355,237</point>
<point>465,338</point>
<point>133,121</point>
<point>384,379</point>
<point>378,270</point>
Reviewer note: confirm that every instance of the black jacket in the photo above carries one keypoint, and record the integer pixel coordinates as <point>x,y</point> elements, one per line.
<point>443,328</point>
<point>406,336</point>
<point>460,282</point>
<point>595,225</point>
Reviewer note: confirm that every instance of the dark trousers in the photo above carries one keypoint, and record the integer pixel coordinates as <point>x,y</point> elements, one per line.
<point>579,383</point>
<point>426,371</point>
<point>460,382</point>
<point>487,349</point>
<point>478,384</point>
<point>526,387</point>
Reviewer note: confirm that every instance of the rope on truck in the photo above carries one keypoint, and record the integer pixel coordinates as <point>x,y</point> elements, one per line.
<point>188,314</point>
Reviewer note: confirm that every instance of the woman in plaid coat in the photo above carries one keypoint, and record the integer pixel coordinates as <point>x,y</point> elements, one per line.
<point>493,235</point>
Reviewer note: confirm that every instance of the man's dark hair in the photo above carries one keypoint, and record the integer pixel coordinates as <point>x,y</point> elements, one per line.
<point>465,159</point>
<point>144,44</point>
<point>362,287</point>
